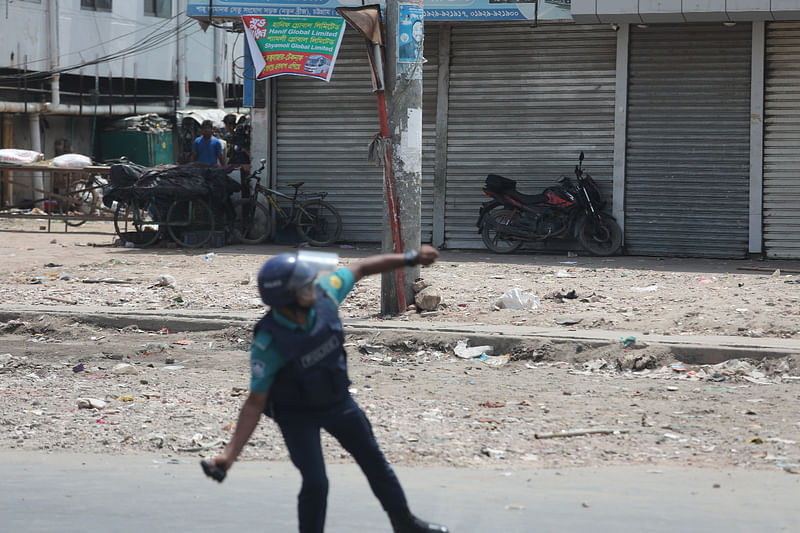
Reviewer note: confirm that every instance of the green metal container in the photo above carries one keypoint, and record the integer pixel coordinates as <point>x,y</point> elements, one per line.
<point>143,148</point>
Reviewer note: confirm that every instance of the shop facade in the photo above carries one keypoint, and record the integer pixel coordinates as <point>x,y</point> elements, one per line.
<point>691,125</point>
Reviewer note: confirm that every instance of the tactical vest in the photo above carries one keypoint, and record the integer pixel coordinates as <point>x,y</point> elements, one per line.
<point>315,373</point>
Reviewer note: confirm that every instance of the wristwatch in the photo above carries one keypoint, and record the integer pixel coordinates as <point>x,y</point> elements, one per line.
<point>411,257</point>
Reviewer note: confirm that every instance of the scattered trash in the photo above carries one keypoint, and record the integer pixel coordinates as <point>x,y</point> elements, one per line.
<point>464,352</point>
<point>649,288</point>
<point>578,433</point>
<point>90,403</point>
<point>493,452</point>
<point>173,367</point>
<point>568,320</point>
<point>124,369</point>
<point>564,274</point>
<point>78,368</point>
<point>571,295</point>
<point>164,280</point>
<point>627,342</point>
<point>61,300</point>
<point>595,365</point>
<point>210,256</point>
<point>517,299</point>
<point>52,265</point>
<point>495,360</point>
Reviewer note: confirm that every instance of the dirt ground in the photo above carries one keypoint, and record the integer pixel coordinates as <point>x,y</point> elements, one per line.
<point>179,393</point>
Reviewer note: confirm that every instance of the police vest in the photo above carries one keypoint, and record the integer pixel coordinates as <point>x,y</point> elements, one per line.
<point>315,373</point>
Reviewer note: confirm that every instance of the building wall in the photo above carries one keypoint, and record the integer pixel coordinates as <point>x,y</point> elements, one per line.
<point>84,35</point>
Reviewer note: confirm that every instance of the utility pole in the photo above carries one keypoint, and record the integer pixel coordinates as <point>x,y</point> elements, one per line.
<point>181,55</point>
<point>404,39</point>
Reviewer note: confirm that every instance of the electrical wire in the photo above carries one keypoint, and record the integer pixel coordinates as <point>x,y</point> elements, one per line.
<point>102,43</point>
<point>153,40</point>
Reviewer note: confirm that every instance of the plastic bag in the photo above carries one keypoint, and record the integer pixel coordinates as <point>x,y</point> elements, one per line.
<point>516,299</point>
<point>11,155</point>
<point>72,161</point>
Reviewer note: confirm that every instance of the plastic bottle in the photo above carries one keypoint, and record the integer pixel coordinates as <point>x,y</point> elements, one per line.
<point>210,256</point>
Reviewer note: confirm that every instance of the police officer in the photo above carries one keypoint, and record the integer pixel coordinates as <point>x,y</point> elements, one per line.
<point>299,378</point>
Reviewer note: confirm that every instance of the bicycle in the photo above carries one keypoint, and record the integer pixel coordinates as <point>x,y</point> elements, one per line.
<point>315,220</point>
<point>136,221</point>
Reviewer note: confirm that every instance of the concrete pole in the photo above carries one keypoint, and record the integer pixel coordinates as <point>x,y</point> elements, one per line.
<point>36,145</point>
<point>181,55</point>
<point>8,142</point>
<point>218,37</point>
<point>404,92</point>
<point>54,50</point>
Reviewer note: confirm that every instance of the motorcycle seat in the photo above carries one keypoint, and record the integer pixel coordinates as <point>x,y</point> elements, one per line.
<point>527,199</point>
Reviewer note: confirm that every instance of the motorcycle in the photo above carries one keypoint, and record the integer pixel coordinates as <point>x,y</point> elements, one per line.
<point>569,209</point>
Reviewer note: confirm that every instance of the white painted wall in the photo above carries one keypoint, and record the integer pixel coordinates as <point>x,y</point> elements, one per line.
<point>84,35</point>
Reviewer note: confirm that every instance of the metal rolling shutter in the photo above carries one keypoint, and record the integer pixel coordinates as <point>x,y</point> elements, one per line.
<point>324,131</point>
<point>688,147</point>
<point>782,141</point>
<point>430,80</point>
<point>523,103</point>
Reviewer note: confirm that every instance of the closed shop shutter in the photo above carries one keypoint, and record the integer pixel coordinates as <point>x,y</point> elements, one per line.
<point>523,103</point>
<point>324,130</point>
<point>688,146</point>
<point>782,141</point>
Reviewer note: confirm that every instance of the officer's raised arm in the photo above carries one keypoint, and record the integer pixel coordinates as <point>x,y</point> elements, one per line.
<point>377,264</point>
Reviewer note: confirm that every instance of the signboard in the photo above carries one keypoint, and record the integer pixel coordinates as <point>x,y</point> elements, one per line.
<point>303,46</point>
<point>435,10</point>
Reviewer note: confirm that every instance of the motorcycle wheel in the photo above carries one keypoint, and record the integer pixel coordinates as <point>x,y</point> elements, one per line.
<point>495,240</point>
<point>603,240</point>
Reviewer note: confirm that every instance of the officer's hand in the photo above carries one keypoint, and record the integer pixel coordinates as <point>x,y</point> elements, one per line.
<point>222,461</point>
<point>427,255</point>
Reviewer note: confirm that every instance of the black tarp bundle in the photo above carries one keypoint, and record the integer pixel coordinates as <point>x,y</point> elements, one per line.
<point>166,184</point>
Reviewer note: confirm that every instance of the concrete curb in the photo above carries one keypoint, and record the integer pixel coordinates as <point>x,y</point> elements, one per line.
<point>694,349</point>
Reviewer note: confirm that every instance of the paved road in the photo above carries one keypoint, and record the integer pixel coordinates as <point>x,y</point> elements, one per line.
<point>67,493</point>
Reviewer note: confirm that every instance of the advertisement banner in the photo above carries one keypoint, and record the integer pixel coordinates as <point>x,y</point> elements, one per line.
<point>435,10</point>
<point>302,46</point>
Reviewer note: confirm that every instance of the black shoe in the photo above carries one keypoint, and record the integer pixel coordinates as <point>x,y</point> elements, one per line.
<point>405,522</point>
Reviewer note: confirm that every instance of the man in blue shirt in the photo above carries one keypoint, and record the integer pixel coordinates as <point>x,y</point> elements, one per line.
<point>207,148</point>
<point>299,378</point>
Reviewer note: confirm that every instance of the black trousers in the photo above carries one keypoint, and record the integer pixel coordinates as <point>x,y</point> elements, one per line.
<point>348,424</point>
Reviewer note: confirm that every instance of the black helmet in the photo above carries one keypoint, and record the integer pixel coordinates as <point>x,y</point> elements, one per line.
<point>281,277</point>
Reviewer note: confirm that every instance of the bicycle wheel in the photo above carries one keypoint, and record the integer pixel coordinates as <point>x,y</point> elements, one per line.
<point>190,222</point>
<point>319,223</point>
<point>492,235</point>
<point>136,222</point>
<point>251,223</point>
<point>78,201</point>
